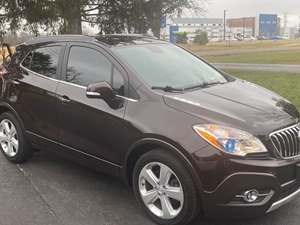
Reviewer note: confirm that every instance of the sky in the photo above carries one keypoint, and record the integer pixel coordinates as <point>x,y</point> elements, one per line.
<point>242,8</point>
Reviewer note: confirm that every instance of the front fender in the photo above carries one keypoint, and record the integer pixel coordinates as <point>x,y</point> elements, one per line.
<point>167,145</point>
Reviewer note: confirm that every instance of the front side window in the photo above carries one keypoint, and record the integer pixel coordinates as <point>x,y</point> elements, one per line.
<point>45,60</point>
<point>161,65</point>
<point>87,66</point>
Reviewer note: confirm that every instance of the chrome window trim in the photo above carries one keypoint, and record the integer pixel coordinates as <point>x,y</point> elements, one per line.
<point>69,83</point>
<point>40,75</point>
<point>75,85</point>
<point>128,99</point>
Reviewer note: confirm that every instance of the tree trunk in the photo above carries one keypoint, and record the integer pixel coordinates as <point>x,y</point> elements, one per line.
<point>72,18</point>
<point>155,26</point>
<point>156,17</point>
<point>73,25</point>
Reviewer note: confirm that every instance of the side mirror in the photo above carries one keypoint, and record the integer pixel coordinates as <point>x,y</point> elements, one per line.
<point>101,90</point>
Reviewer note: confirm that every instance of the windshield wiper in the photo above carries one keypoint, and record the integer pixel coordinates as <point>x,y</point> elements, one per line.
<point>204,85</point>
<point>167,89</point>
<point>172,89</point>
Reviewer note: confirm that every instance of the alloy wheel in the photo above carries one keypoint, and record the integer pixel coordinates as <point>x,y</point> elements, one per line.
<point>161,190</point>
<point>9,138</point>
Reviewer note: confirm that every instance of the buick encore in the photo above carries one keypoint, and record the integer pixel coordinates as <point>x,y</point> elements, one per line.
<point>186,137</point>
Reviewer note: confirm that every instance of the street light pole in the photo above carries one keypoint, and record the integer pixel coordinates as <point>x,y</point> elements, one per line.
<point>225,25</point>
<point>299,28</point>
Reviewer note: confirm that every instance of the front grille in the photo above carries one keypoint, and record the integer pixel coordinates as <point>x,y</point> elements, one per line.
<point>287,141</point>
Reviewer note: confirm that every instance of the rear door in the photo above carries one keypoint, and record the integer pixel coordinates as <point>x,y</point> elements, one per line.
<point>34,93</point>
<point>88,125</point>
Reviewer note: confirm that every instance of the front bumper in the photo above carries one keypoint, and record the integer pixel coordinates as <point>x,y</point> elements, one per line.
<point>281,202</point>
<point>225,180</point>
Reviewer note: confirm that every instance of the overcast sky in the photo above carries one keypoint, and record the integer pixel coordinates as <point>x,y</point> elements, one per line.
<point>237,8</point>
<point>240,8</point>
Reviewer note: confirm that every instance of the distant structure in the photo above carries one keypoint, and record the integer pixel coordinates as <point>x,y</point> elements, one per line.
<point>241,28</point>
<point>285,19</point>
<point>212,26</point>
<point>267,26</point>
<point>262,26</point>
<point>289,27</point>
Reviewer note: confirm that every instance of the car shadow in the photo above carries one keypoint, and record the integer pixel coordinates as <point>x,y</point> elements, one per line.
<point>79,195</point>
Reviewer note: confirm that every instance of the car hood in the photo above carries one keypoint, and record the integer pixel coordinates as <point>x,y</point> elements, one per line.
<point>237,104</point>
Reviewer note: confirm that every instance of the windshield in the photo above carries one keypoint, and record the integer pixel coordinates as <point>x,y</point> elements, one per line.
<point>165,65</point>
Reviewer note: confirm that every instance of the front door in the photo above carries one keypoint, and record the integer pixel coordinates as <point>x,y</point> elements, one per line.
<point>90,125</point>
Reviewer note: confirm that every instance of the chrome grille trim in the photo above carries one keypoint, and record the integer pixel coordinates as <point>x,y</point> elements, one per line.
<point>286,142</point>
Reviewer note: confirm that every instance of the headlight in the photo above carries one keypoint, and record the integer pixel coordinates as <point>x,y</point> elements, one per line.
<point>230,140</point>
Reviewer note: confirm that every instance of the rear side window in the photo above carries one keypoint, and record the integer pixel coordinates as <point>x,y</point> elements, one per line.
<point>44,61</point>
<point>87,66</point>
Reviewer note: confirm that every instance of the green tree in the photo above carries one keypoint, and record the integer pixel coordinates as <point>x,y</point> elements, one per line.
<point>122,15</point>
<point>111,16</point>
<point>201,38</point>
<point>56,16</point>
<point>181,37</point>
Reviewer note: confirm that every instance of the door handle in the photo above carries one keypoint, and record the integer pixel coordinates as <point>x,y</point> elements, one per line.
<point>64,99</point>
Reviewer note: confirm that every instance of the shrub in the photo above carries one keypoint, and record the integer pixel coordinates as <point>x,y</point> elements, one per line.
<point>201,38</point>
<point>181,37</point>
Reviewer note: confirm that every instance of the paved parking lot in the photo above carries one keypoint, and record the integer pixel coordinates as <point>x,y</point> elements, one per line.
<point>51,191</point>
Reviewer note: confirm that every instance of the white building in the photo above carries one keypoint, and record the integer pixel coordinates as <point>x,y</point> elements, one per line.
<point>212,26</point>
<point>242,28</point>
<point>289,26</point>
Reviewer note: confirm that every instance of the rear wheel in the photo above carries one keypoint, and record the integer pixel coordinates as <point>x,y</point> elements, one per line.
<point>12,140</point>
<point>164,188</point>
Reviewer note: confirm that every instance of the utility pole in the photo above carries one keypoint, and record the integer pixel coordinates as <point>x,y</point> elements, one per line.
<point>299,28</point>
<point>285,22</point>
<point>225,11</point>
<point>244,24</point>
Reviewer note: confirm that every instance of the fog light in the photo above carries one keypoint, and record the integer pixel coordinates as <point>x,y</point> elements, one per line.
<point>250,196</point>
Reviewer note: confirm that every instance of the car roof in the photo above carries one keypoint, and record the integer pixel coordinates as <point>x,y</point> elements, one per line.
<point>108,40</point>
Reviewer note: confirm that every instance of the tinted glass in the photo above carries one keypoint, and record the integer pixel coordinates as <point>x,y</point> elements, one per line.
<point>88,66</point>
<point>45,60</point>
<point>118,82</point>
<point>168,65</point>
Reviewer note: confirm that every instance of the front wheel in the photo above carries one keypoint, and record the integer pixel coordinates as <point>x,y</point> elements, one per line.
<point>164,188</point>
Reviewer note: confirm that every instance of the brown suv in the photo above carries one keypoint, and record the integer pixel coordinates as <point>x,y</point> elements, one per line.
<point>185,136</point>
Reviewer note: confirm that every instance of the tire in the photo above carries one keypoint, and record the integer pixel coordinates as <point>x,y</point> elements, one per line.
<point>184,208</point>
<point>13,143</point>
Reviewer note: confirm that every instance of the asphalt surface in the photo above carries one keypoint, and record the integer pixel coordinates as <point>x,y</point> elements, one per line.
<point>51,191</point>
<point>260,67</point>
